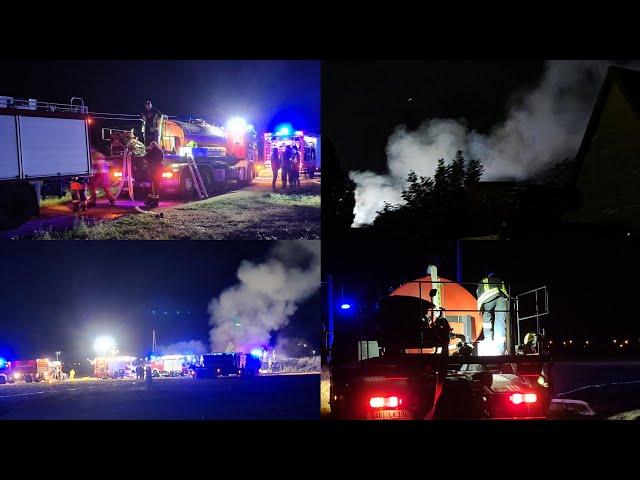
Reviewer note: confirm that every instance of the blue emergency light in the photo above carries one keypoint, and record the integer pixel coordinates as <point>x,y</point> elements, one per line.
<point>345,306</point>
<point>256,352</point>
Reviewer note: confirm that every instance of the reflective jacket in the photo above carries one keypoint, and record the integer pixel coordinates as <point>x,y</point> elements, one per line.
<point>490,289</point>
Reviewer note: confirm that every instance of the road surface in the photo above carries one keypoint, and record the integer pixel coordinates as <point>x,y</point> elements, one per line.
<point>276,397</point>
<point>60,218</point>
<point>610,387</point>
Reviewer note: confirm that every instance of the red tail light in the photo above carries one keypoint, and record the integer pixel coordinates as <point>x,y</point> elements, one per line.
<point>388,402</point>
<point>518,398</point>
<point>117,174</point>
<point>167,174</point>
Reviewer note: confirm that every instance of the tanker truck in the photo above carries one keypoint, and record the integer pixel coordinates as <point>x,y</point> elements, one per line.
<point>222,155</point>
<point>402,373</point>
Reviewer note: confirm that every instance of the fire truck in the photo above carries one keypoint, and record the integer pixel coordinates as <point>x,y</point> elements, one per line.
<point>42,145</point>
<point>170,366</point>
<point>114,367</point>
<point>26,371</point>
<point>224,364</point>
<point>308,145</point>
<point>222,155</point>
<point>403,374</point>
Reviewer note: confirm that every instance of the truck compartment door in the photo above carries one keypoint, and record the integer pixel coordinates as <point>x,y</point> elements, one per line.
<point>9,160</point>
<point>54,146</point>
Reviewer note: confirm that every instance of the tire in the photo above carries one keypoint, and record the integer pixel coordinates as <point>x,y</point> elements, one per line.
<point>207,178</point>
<point>28,379</point>
<point>3,379</point>
<point>187,185</point>
<point>250,177</point>
<point>155,373</point>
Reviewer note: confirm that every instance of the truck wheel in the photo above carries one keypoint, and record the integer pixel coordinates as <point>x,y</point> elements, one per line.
<point>187,186</point>
<point>250,177</point>
<point>28,379</point>
<point>3,379</point>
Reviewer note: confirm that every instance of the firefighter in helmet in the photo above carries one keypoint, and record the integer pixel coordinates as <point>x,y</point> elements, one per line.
<point>154,158</point>
<point>493,304</point>
<point>151,118</point>
<point>78,190</point>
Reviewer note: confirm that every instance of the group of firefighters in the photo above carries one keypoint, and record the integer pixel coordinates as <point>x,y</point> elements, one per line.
<point>100,178</point>
<point>287,160</point>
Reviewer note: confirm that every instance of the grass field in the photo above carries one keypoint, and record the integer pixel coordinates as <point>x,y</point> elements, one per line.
<point>247,214</point>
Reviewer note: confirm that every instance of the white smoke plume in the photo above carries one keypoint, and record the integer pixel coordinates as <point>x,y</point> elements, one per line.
<point>266,296</point>
<point>294,347</point>
<point>544,126</point>
<point>191,347</point>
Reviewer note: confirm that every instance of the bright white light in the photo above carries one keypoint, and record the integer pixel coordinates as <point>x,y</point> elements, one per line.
<point>237,125</point>
<point>103,344</point>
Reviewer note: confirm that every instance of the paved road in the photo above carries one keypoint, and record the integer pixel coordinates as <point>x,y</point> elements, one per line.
<point>276,397</point>
<point>60,217</point>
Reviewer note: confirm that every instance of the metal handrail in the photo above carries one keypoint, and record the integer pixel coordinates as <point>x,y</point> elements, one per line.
<point>32,104</point>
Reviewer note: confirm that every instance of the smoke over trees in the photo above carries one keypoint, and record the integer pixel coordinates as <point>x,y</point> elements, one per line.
<point>542,127</point>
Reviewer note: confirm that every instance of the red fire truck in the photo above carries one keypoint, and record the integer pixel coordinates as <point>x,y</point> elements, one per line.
<point>222,154</point>
<point>308,145</point>
<point>28,370</point>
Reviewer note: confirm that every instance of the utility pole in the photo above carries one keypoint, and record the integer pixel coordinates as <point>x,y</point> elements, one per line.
<point>153,348</point>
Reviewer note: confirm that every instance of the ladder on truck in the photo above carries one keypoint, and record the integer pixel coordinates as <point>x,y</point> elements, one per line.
<point>198,183</point>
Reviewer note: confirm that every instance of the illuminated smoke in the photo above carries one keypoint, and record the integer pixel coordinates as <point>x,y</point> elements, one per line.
<point>191,347</point>
<point>546,125</point>
<point>266,296</point>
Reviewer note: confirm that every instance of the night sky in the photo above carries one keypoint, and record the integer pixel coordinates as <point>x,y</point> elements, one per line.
<point>364,101</point>
<point>592,285</point>
<point>61,295</point>
<point>265,93</point>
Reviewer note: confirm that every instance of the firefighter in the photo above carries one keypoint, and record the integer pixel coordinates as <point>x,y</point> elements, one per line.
<point>154,159</point>
<point>72,374</point>
<point>286,165</point>
<point>442,331</point>
<point>294,173</point>
<point>100,178</point>
<point>148,374</point>
<point>139,372</point>
<point>275,166</point>
<point>493,304</point>
<point>78,194</point>
<point>152,118</point>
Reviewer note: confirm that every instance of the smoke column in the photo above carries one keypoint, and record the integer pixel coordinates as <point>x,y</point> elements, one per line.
<point>266,296</point>
<point>546,125</point>
<point>191,347</point>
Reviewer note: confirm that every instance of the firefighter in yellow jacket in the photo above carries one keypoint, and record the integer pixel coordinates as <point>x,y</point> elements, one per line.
<point>493,304</point>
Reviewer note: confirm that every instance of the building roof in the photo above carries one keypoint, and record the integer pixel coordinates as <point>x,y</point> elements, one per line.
<point>629,83</point>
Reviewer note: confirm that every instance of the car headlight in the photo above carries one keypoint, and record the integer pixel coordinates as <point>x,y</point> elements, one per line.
<point>17,375</point>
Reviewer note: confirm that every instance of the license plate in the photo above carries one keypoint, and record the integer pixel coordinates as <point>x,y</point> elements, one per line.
<point>391,415</point>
